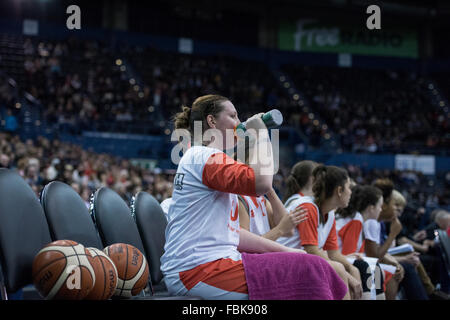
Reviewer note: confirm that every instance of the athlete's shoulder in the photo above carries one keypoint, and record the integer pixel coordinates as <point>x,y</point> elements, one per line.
<point>359,217</point>
<point>198,155</point>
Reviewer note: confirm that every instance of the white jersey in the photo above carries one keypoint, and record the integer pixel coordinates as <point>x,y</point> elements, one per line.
<point>372,230</point>
<point>257,211</point>
<point>203,221</point>
<point>323,229</point>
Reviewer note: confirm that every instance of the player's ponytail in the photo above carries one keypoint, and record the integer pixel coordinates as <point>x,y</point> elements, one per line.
<point>298,178</point>
<point>182,119</point>
<point>353,205</point>
<point>386,186</point>
<point>203,106</point>
<point>368,195</point>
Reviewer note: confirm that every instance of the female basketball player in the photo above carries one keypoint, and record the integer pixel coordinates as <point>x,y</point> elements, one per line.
<point>356,224</point>
<point>267,217</point>
<point>203,238</point>
<point>321,190</point>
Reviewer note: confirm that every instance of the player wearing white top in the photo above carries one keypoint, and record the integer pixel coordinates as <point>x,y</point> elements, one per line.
<point>191,198</point>
<point>350,224</point>
<point>323,230</point>
<point>268,217</point>
<point>321,190</point>
<point>203,238</point>
<point>352,228</point>
<point>355,227</point>
<point>360,221</point>
<point>257,211</point>
<point>203,227</point>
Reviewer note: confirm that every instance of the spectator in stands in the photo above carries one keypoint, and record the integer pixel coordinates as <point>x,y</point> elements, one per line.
<point>441,220</point>
<point>11,124</point>
<point>433,260</point>
<point>80,94</point>
<point>415,257</point>
<point>85,171</point>
<point>350,96</point>
<point>4,160</point>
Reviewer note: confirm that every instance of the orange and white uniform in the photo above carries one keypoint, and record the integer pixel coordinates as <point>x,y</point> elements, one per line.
<point>350,234</point>
<point>257,212</point>
<point>202,234</point>
<point>311,231</point>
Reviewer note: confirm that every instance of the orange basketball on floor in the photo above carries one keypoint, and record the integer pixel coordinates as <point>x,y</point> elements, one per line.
<point>61,270</point>
<point>132,269</point>
<point>105,275</point>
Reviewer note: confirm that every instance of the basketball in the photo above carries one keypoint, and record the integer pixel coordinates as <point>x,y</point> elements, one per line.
<point>132,269</point>
<point>61,270</point>
<point>105,275</point>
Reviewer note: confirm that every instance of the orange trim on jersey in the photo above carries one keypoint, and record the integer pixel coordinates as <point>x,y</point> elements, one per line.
<point>308,230</point>
<point>234,215</point>
<point>332,242</point>
<point>349,236</point>
<point>251,213</point>
<point>257,205</point>
<point>363,246</point>
<point>224,174</point>
<point>225,274</point>
<point>387,277</point>
<point>300,193</point>
<point>263,200</point>
<point>246,202</point>
<point>255,201</point>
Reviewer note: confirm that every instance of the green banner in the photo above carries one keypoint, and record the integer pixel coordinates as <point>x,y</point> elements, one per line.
<point>313,36</point>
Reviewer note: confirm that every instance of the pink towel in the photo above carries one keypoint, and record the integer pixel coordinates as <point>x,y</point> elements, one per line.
<point>291,276</point>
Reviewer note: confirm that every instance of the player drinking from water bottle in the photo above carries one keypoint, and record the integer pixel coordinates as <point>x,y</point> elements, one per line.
<point>203,238</point>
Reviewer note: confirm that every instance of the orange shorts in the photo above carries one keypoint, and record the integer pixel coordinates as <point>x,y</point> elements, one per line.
<point>219,279</point>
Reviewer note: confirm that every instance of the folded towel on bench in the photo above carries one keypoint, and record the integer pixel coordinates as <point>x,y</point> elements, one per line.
<point>291,276</point>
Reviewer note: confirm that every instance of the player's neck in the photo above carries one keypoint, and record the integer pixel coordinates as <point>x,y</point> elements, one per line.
<point>365,214</point>
<point>328,205</point>
<point>307,192</point>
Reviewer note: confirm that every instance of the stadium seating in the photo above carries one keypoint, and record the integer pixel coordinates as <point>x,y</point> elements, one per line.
<point>116,225</point>
<point>23,232</point>
<point>366,107</point>
<point>445,245</point>
<point>151,223</point>
<point>12,53</point>
<point>113,219</point>
<point>83,87</point>
<point>67,215</point>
